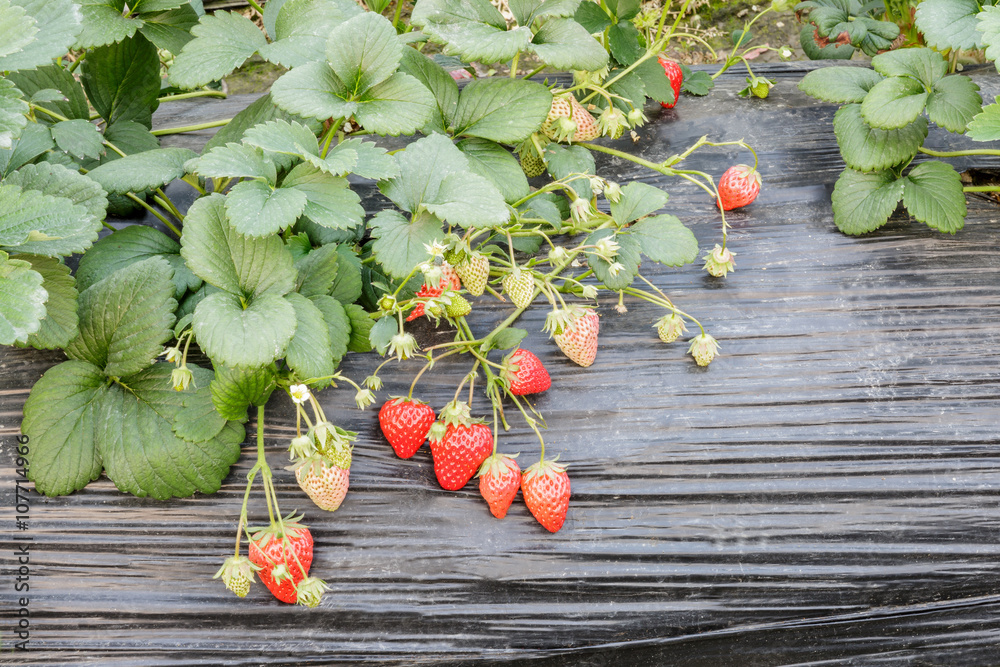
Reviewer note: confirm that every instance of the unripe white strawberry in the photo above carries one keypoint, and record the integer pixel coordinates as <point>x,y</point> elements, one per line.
<point>520,287</point>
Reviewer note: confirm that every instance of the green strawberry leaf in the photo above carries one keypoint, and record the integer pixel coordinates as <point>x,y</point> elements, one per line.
<point>624,10</point>
<point>924,65</point>
<point>563,161</point>
<point>474,30</point>
<point>143,455</point>
<point>347,287</point>
<point>35,139</point>
<point>235,161</point>
<point>22,300</point>
<point>438,81</point>
<point>301,28</point>
<point>123,80</point>
<point>313,90</point>
<point>843,85</point>
<point>361,327</point>
<point>59,22</point>
<point>33,222</point>
<point>170,30</point>
<point>129,137</point>
<point>363,52</point>
<point>255,209</point>
<point>985,126</point>
<point>949,24</point>
<point>398,105</point>
<point>222,42</point>
<point>565,44</point>
<point>372,161</point>
<point>989,26</point>
<point>59,326</point>
<point>508,338</point>
<point>129,245</point>
<point>932,193</point>
<point>126,318</point>
<point>58,181</point>
<point>17,28</point>
<point>198,420</point>
<point>52,77</point>
<point>234,388</point>
<point>656,84</point>
<point>104,23</point>
<point>142,171</point>
<point>382,332</point>
<point>282,136</point>
<point>813,51</point>
<point>309,350</point>
<point>435,175</point>
<point>259,112</point>
<point>60,418</point>
<point>496,164</point>
<point>637,200</point>
<point>503,110</point>
<point>329,201</point>
<point>592,17</point>
<point>863,202</point>
<point>338,326</point>
<point>697,83</point>
<point>237,332</point>
<point>623,41</point>
<point>221,256</point>
<point>12,113</point>
<point>665,239</point>
<point>953,103</point>
<point>894,102</point>
<point>79,138</point>
<point>399,244</point>
<point>865,148</point>
<point>628,258</point>
<point>317,270</point>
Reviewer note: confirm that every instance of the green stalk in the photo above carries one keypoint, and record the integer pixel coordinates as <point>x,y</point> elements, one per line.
<point>972,151</point>
<point>156,213</point>
<point>188,96</point>
<point>262,460</point>
<point>981,188</point>
<point>256,6</point>
<point>190,128</point>
<point>399,12</point>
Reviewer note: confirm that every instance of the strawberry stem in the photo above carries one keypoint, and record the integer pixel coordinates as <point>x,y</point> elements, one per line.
<point>262,461</point>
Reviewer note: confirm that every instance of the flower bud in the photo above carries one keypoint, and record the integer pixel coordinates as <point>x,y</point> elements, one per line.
<point>173,355</point>
<point>181,378</point>
<point>580,210</point>
<point>613,192</point>
<point>364,398</point>
<point>558,254</point>
<point>403,345</point>
<point>373,382</point>
<point>589,292</point>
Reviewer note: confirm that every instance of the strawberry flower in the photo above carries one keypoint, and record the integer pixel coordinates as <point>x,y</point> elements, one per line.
<point>181,378</point>
<point>364,398</point>
<point>299,393</point>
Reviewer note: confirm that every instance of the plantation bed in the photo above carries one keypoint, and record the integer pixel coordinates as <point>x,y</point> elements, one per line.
<point>826,492</point>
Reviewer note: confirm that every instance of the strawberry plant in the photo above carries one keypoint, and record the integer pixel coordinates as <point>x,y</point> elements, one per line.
<point>275,273</point>
<point>884,121</point>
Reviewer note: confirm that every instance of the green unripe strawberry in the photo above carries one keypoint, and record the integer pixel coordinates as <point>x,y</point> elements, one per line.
<point>670,327</point>
<point>458,307</point>
<point>474,273</point>
<point>532,164</point>
<point>520,287</point>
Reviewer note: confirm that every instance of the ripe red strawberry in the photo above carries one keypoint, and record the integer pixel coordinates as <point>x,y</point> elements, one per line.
<point>449,281</point>
<point>676,76</point>
<point>405,423</point>
<point>474,272</point>
<point>520,287</point>
<point>524,373</point>
<point>324,481</point>
<point>499,480</point>
<point>578,126</point>
<point>284,560</point>
<point>458,455</point>
<point>579,340</point>
<point>545,487</point>
<point>738,187</point>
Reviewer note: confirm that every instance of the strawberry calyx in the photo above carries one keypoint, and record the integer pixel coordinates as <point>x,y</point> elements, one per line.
<point>310,591</point>
<point>497,464</point>
<point>544,467</point>
<point>560,319</point>
<point>456,413</point>
<point>437,431</point>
